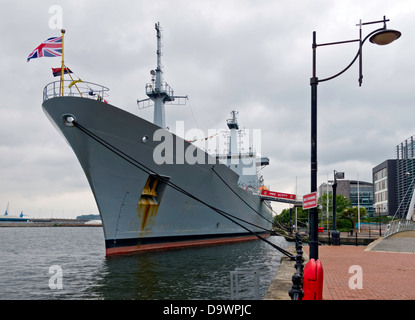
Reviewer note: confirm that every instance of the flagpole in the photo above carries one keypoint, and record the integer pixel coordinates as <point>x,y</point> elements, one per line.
<point>63,64</point>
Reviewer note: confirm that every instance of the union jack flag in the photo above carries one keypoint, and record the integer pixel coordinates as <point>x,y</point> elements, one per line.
<point>49,48</point>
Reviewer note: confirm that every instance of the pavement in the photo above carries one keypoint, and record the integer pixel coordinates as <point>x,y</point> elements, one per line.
<point>383,270</point>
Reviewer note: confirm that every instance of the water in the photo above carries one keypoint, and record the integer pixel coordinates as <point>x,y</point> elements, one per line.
<point>27,254</point>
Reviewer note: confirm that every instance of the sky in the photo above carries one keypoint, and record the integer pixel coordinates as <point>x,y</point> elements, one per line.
<point>252,56</point>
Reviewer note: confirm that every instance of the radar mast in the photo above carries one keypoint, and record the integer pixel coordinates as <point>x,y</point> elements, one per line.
<point>158,90</point>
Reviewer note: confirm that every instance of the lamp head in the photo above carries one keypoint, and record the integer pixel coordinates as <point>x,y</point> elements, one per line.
<point>385,37</point>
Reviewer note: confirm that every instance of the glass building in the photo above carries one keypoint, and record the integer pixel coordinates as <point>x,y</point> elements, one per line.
<point>362,192</point>
<point>358,192</point>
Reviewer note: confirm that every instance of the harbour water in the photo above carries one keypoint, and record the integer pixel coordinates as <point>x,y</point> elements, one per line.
<point>69,263</point>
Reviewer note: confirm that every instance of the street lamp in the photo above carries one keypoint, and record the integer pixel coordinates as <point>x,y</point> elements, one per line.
<point>384,37</point>
<point>335,233</point>
<point>374,211</point>
<point>381,36</point>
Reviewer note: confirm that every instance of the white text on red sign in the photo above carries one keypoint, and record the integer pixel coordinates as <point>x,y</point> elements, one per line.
<point>310,200</point>
<point>281,195</point>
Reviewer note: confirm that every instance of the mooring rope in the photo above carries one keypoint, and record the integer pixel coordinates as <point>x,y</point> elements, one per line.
<point>147,170</point>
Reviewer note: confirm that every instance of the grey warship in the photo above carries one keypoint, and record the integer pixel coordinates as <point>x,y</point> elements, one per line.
<point>147,204</point>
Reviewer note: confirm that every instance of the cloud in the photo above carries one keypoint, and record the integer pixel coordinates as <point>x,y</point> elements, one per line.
<point>250,56</point>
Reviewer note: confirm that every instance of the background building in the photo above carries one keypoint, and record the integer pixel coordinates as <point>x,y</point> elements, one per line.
<point>384,187</point>
<point>356,191</point>
<point>393,181</point>
<point>405,175</point>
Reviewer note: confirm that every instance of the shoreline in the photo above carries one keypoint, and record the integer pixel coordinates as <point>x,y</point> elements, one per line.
<point>17,224</point>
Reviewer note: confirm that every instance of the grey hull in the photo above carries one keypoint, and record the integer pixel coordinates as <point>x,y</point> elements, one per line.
<point>117,184</point>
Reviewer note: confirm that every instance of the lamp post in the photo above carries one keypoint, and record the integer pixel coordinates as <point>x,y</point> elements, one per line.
<point>376,208</point>
<point>380,226</point>
<point>381,36</point>
<point>335,233</point>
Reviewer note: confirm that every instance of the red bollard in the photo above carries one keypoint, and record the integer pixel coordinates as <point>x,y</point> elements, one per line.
<point>313,280</point>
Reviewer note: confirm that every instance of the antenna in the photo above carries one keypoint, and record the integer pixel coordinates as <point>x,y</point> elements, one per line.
<point>158,91</point>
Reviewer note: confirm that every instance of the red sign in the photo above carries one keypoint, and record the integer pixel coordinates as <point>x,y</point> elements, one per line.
<point>280,195</point>
<point>310,201</point>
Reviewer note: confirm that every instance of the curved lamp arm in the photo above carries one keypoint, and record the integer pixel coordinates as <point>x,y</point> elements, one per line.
<point>359,52</point>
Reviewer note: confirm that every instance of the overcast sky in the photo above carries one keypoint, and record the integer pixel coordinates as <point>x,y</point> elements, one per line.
<point>253,56</point>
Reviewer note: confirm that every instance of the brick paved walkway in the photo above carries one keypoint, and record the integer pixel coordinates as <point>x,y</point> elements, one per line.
<point>386,274</point>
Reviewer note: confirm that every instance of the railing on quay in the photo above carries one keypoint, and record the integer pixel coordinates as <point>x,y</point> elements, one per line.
<point>75,88</point>
<point>296,292</point>
<point>399,226</point>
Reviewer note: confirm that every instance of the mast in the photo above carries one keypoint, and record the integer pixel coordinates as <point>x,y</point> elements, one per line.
<point>160,95</point>
<point>233,127</point>
<point>158,90</point>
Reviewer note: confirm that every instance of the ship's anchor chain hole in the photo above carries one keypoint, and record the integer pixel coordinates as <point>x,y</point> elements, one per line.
<point>68,119</point>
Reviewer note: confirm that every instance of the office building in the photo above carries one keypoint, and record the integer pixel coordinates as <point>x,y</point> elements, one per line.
<point>393,181</point>
<point>358,192</point>
<point>384,187</point>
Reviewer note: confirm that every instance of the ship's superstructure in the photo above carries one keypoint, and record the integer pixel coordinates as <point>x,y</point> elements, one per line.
<point>145,202</point>
<point>246,164</point>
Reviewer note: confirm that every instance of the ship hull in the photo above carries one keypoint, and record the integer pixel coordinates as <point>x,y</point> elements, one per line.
<point>139,210</point>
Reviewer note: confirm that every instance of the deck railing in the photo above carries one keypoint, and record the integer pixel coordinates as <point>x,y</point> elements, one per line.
<point>79,89</point>
<point>165,88</point>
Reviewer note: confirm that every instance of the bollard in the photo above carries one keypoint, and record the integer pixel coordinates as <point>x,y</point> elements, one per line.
<point>313,280</point>
<point>335,238</point>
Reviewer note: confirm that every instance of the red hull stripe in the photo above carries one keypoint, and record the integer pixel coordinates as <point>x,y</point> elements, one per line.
<point>177,245</point>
